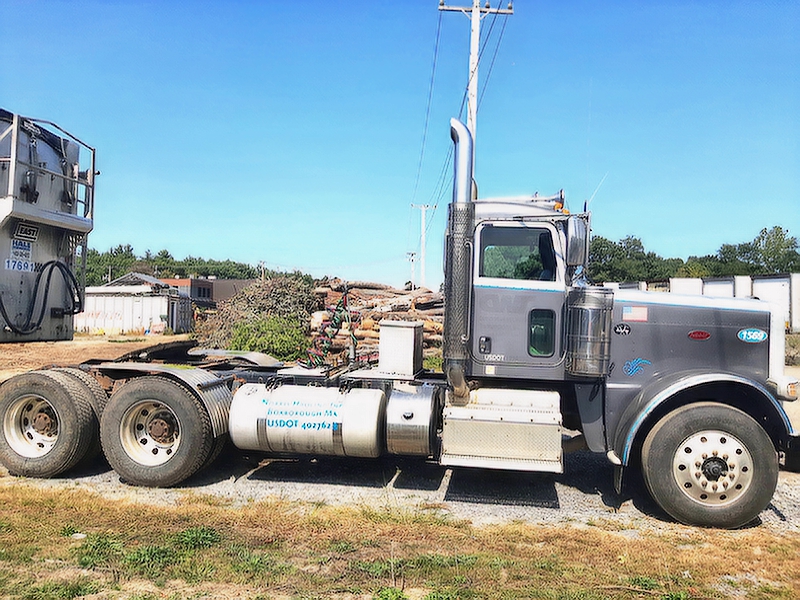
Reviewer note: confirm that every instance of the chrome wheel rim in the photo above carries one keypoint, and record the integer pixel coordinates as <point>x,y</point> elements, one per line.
<point>150,433</point>
<point>713,468</point>
<point>31,426</point>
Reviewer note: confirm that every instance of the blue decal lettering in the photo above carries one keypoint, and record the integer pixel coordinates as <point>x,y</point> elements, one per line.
<point>752,335</point>
<point>635,366</point>
<point>282,423</point>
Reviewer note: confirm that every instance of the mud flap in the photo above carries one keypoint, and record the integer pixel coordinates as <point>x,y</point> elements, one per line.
<point>618,470</point>
<point>791,455</point>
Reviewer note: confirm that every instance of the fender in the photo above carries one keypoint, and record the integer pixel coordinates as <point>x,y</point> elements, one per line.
<point>211,390</point>
<point>656,394</point>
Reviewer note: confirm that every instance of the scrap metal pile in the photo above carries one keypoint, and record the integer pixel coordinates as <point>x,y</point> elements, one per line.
<point>352,331</point>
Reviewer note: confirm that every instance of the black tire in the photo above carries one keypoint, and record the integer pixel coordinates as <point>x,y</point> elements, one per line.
<point>47,424</point>
<point>98,394</point>
<point>155,433</point>
<point>711,465</point>
<point>216,450</point>
<point>98,398</point>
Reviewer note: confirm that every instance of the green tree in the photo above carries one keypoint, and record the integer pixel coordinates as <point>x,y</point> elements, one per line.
<point>627,260</point>
<point>105,267</point>
<point>693,267</point>
<point>118,261</point>
<point>774,251</point>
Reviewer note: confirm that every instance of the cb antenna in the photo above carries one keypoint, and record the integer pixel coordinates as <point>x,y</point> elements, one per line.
<point>589,201</point>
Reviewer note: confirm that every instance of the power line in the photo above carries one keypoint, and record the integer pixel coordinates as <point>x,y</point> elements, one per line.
<point>428,107</point>
<point>475,13</point>
<point>494,56</point>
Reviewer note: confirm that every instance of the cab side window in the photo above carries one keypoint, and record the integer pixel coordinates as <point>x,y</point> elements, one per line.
<point>541,330</point>
<point>523,253</point>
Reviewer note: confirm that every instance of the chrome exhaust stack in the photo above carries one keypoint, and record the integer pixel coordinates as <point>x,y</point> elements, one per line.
<point>458,263</point>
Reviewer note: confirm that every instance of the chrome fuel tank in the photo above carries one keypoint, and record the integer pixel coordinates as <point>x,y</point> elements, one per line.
<point>308,420</point>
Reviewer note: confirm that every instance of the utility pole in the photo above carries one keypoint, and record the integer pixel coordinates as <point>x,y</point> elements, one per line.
<point>412,257</point>
<point>475,14</point>
<point>423,208</point>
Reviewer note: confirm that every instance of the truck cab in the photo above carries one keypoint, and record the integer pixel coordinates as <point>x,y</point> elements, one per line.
<point>688,388</point>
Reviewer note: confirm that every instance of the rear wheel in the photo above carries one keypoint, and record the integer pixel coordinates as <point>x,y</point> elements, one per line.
<point>98,395</point>
<point>98,398</point>
<point>155,432</point>
<point>216,450</point>
<point>47,424</point>
<point>711,465</point>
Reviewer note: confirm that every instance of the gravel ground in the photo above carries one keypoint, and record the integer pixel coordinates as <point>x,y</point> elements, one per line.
<point>582,495</point>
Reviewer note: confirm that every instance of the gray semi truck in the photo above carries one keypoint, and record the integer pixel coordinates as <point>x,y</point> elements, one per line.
<point>690,390</point>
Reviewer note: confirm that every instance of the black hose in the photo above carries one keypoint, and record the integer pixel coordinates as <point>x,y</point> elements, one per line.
<point>30,326</point>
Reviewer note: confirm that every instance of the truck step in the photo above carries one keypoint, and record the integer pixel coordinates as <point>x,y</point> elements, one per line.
<point>504,429</point>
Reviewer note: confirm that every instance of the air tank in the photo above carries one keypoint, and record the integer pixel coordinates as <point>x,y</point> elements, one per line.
<point>589,312</point>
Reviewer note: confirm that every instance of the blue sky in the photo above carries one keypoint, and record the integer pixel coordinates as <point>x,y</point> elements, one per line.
<point>291,132</point>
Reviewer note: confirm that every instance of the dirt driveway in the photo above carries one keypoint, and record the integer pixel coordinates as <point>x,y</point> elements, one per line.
<point>27,356</point>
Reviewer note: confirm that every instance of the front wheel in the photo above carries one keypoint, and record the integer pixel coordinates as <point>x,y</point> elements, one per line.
<point>155,432</point>
<point>711,465</point>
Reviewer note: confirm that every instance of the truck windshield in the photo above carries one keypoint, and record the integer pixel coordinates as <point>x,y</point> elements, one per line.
<point>517,253</point>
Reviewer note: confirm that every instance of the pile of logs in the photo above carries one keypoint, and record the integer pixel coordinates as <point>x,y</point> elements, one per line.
<point>369,304</point>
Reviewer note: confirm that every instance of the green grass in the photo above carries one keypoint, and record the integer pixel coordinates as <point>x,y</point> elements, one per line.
<point>62,590</point>
<point>434,362</point>
<point>198,537</point>
<point>98,550</point>
<point>296,550</point>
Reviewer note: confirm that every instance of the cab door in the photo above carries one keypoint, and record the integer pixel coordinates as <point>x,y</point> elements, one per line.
<point>518,301</point>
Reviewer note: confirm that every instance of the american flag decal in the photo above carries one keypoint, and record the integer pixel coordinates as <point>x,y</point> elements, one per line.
<point>634,313</point>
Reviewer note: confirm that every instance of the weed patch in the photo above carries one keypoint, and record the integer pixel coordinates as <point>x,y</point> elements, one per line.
<point>391,593</point>
<point>61,590</point>
<point>198,537</point>
<point>150,561</point>
<point>98,550</point>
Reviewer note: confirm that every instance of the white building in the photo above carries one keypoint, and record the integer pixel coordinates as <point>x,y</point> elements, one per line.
<point>134,303</point>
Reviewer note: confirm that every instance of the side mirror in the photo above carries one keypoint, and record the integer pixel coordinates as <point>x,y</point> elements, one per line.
<point>577,240</point>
